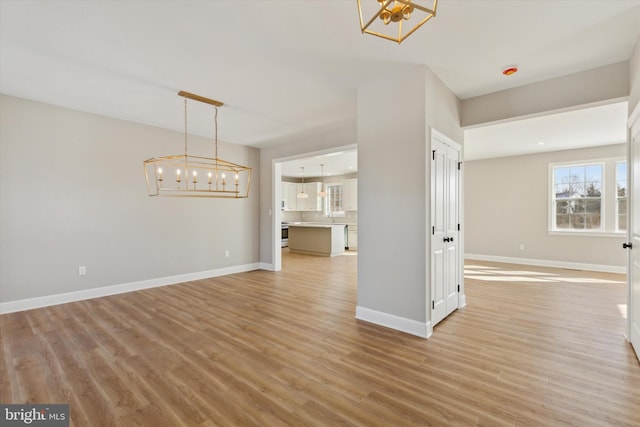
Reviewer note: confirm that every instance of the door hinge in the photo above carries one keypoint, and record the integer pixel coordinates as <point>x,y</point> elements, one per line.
<point>433,154</point>
<point>627,245</point>
<point>458,288</point>
<point>433,305</point>
<point>433,229</point>
<point>459,165</point>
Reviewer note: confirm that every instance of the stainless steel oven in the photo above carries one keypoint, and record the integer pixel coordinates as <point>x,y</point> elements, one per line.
<point>285,234</point>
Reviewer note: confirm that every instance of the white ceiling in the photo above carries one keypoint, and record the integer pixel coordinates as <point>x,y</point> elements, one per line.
<point>337,163</point>
<point>281,66</point>
<point>590,127</point>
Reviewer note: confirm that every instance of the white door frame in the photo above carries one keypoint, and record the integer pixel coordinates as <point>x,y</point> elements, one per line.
<point>436,135</point>
<point>632,327</point>
<point>276,191</point>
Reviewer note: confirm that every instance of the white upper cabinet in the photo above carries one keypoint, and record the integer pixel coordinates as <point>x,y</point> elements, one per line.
<point>289,195</point>
<point>313,202</point>
<point>290,192</point>
<point>350,195</point>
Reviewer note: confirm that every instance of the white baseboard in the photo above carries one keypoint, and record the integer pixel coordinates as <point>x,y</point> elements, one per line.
<point>266,266</point>
<point>45,301</point>
<point>635,338</point>
<point>402,324</point>
<point>462,301</point>
<point>549,263</point>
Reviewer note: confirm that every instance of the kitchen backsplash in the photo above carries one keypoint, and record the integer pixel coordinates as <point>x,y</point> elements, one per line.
<point>351,217</point>
<point>291,216</point>
<point>296,216</point>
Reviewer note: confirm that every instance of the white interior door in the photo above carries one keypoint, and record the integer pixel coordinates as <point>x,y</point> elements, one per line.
<point>634,235</point>
<point>445,242</point>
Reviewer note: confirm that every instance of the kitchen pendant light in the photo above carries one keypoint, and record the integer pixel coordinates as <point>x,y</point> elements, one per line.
<point>322,192</point>
<point>302,194</point>
<point>394,20</point>
<point>197,176</point>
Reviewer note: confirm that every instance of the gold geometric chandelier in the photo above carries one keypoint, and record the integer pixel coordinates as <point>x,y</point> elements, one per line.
<point>185,175</point>
<point>387,17</point>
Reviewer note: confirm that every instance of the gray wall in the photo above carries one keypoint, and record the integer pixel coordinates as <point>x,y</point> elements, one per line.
<point>393,123</point>
<point>73,193</point>
<point>506,204</point>
<point>610,82</point>
<point>634,69</point>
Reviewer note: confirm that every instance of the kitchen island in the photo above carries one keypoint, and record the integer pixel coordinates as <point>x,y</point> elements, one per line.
<point>316,238</point>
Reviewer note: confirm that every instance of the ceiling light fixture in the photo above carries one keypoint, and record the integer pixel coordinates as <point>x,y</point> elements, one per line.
<point>203,176</point>
<point>302,194</point>
<point>387,17</point>
<point>323,192</point>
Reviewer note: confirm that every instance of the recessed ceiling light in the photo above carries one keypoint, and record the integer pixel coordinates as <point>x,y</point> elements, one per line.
<point>540,143</point>
<point>509,70</point>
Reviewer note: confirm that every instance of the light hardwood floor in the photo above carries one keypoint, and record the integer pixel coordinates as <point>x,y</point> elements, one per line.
<point>533,347</point>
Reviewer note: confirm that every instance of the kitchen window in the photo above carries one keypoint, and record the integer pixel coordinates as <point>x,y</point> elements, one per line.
<point>334,203</point>
<point>588,198</point>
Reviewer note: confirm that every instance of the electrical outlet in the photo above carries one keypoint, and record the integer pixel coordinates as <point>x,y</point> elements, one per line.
<point>522,246</point>
<point>226,254</point>
<point>82,270</point>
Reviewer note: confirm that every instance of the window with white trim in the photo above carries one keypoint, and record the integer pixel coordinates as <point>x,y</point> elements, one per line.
<point>334,205</point>
<point>621,196</point>
<point>588,197</point>
<point>577,197</point>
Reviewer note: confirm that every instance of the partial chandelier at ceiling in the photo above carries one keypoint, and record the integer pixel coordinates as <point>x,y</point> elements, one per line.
<point>394,19</point>
<point>186,175</point>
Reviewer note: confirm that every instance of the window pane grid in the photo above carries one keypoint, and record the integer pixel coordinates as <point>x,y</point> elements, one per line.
<point>577,197</point>
<point>334,205</point>
<point>621,196</point>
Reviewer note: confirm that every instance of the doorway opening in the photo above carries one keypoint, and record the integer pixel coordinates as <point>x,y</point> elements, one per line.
<point>315,189</point>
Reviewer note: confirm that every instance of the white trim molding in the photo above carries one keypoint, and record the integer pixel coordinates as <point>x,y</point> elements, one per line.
<point>266,266</point>
<point>462,301</point>
<point>49,300</point>
<point>549,263</point>
<point>402,324</point>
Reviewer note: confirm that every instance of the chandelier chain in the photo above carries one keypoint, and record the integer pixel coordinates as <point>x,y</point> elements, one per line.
<point>185,126</point>
<point>215,121</point>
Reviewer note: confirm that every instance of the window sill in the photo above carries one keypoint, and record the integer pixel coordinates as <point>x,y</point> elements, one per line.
<point>619,234</point>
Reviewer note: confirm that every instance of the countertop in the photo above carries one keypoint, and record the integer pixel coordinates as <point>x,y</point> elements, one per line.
<point>316,224</point>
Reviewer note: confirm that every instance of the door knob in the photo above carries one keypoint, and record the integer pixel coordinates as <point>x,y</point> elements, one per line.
<point>451,239</point>
<point>446,239</point>
<point>627,245</point>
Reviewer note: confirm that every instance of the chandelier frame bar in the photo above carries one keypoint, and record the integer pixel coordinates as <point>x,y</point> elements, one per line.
<point>383,6</point>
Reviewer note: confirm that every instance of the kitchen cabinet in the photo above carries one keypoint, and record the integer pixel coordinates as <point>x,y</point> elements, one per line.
<point>352,236</point>
<point>350,195</point>
<point>317,239</point>
<point>289,195</point>
<point>313,202</point>
<point>290,192</point>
